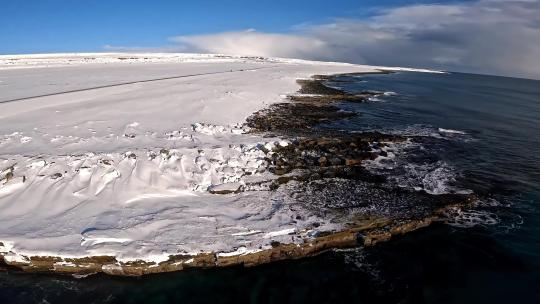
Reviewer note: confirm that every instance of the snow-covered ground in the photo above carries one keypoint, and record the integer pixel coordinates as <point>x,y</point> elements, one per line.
<point>115,154</point>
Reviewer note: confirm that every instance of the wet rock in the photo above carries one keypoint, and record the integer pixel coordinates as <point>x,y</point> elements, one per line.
<point>226,188</point>
<point>353,162</point>
<point>289,118</point>
<point>56,176</point>
<point>335,161</point>
<point>107,162</point>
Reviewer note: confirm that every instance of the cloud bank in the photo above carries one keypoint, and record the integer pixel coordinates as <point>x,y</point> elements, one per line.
<point>487,36</point>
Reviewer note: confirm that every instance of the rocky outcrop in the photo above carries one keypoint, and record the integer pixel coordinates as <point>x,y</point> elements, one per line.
<point>321,161</point>
<point>364,232</point>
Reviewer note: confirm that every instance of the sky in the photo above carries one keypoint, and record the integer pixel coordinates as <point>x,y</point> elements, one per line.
<point>499,37</point>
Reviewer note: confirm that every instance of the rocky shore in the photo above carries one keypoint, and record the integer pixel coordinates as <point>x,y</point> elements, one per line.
<point>364,232</point>
<point>312,160</point>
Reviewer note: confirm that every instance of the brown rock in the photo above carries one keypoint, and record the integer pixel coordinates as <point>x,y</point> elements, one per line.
<point>352,162</point>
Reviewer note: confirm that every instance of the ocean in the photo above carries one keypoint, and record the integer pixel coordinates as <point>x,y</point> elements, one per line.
<point>472,134</point>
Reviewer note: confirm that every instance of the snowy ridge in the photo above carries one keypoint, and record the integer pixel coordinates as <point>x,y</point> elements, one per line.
<point>68,59</point>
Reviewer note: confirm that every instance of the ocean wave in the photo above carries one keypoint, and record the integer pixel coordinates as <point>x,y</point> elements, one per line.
<point>421,130</point>
<point>469,218</point>
<point>375,98</point>
<point>450,131</point>
<point>357,258</point>
<point>416,130</point>
<point>410,165</point>
<point>432,178</point>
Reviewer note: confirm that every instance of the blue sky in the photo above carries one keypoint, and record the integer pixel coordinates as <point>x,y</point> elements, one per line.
<point>35,26</point>
<point>500,37</point>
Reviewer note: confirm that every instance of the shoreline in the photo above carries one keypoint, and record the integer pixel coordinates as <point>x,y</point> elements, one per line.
<point>313,97</point>
<point>372,232</point>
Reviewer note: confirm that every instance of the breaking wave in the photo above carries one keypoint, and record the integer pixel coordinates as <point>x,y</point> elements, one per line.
<point>470,218</point>
<point>450,131</point>
<point>403,167</point>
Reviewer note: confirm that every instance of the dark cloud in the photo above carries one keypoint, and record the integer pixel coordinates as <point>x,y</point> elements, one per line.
<point>487,36</point>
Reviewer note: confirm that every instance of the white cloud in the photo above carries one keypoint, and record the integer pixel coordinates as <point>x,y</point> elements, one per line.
<point>129,49</point>
<point>251,42</point>
<point>486,36</point>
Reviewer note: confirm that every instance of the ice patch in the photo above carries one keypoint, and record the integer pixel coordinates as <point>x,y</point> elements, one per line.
<point>279,233</point>
<point>240,251</point>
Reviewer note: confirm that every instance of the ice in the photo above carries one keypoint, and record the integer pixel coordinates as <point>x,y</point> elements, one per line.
<point>279,233</point>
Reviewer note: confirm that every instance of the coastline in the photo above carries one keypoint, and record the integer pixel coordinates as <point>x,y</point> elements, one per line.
<point>364,232</point>
<point>372,232</point>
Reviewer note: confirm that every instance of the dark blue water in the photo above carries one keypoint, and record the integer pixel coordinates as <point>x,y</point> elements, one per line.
<point>491,257</point>
<point>484,133</point>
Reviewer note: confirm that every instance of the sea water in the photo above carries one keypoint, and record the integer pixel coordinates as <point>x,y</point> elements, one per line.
<point>470,134</point>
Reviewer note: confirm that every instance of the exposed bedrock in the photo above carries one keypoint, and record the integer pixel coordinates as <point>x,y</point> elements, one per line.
<point>363,231</point>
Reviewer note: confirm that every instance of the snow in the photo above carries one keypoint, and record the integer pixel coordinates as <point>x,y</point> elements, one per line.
<point>65,264</point>
<point>115,154</point>
<point>280,232</point>
<point>240,251</point>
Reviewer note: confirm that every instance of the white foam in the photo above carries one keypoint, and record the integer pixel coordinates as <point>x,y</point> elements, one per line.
<point>432,177</point>
<point>450,131</point>
<point>470,218</point>
<point>82,276</point>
